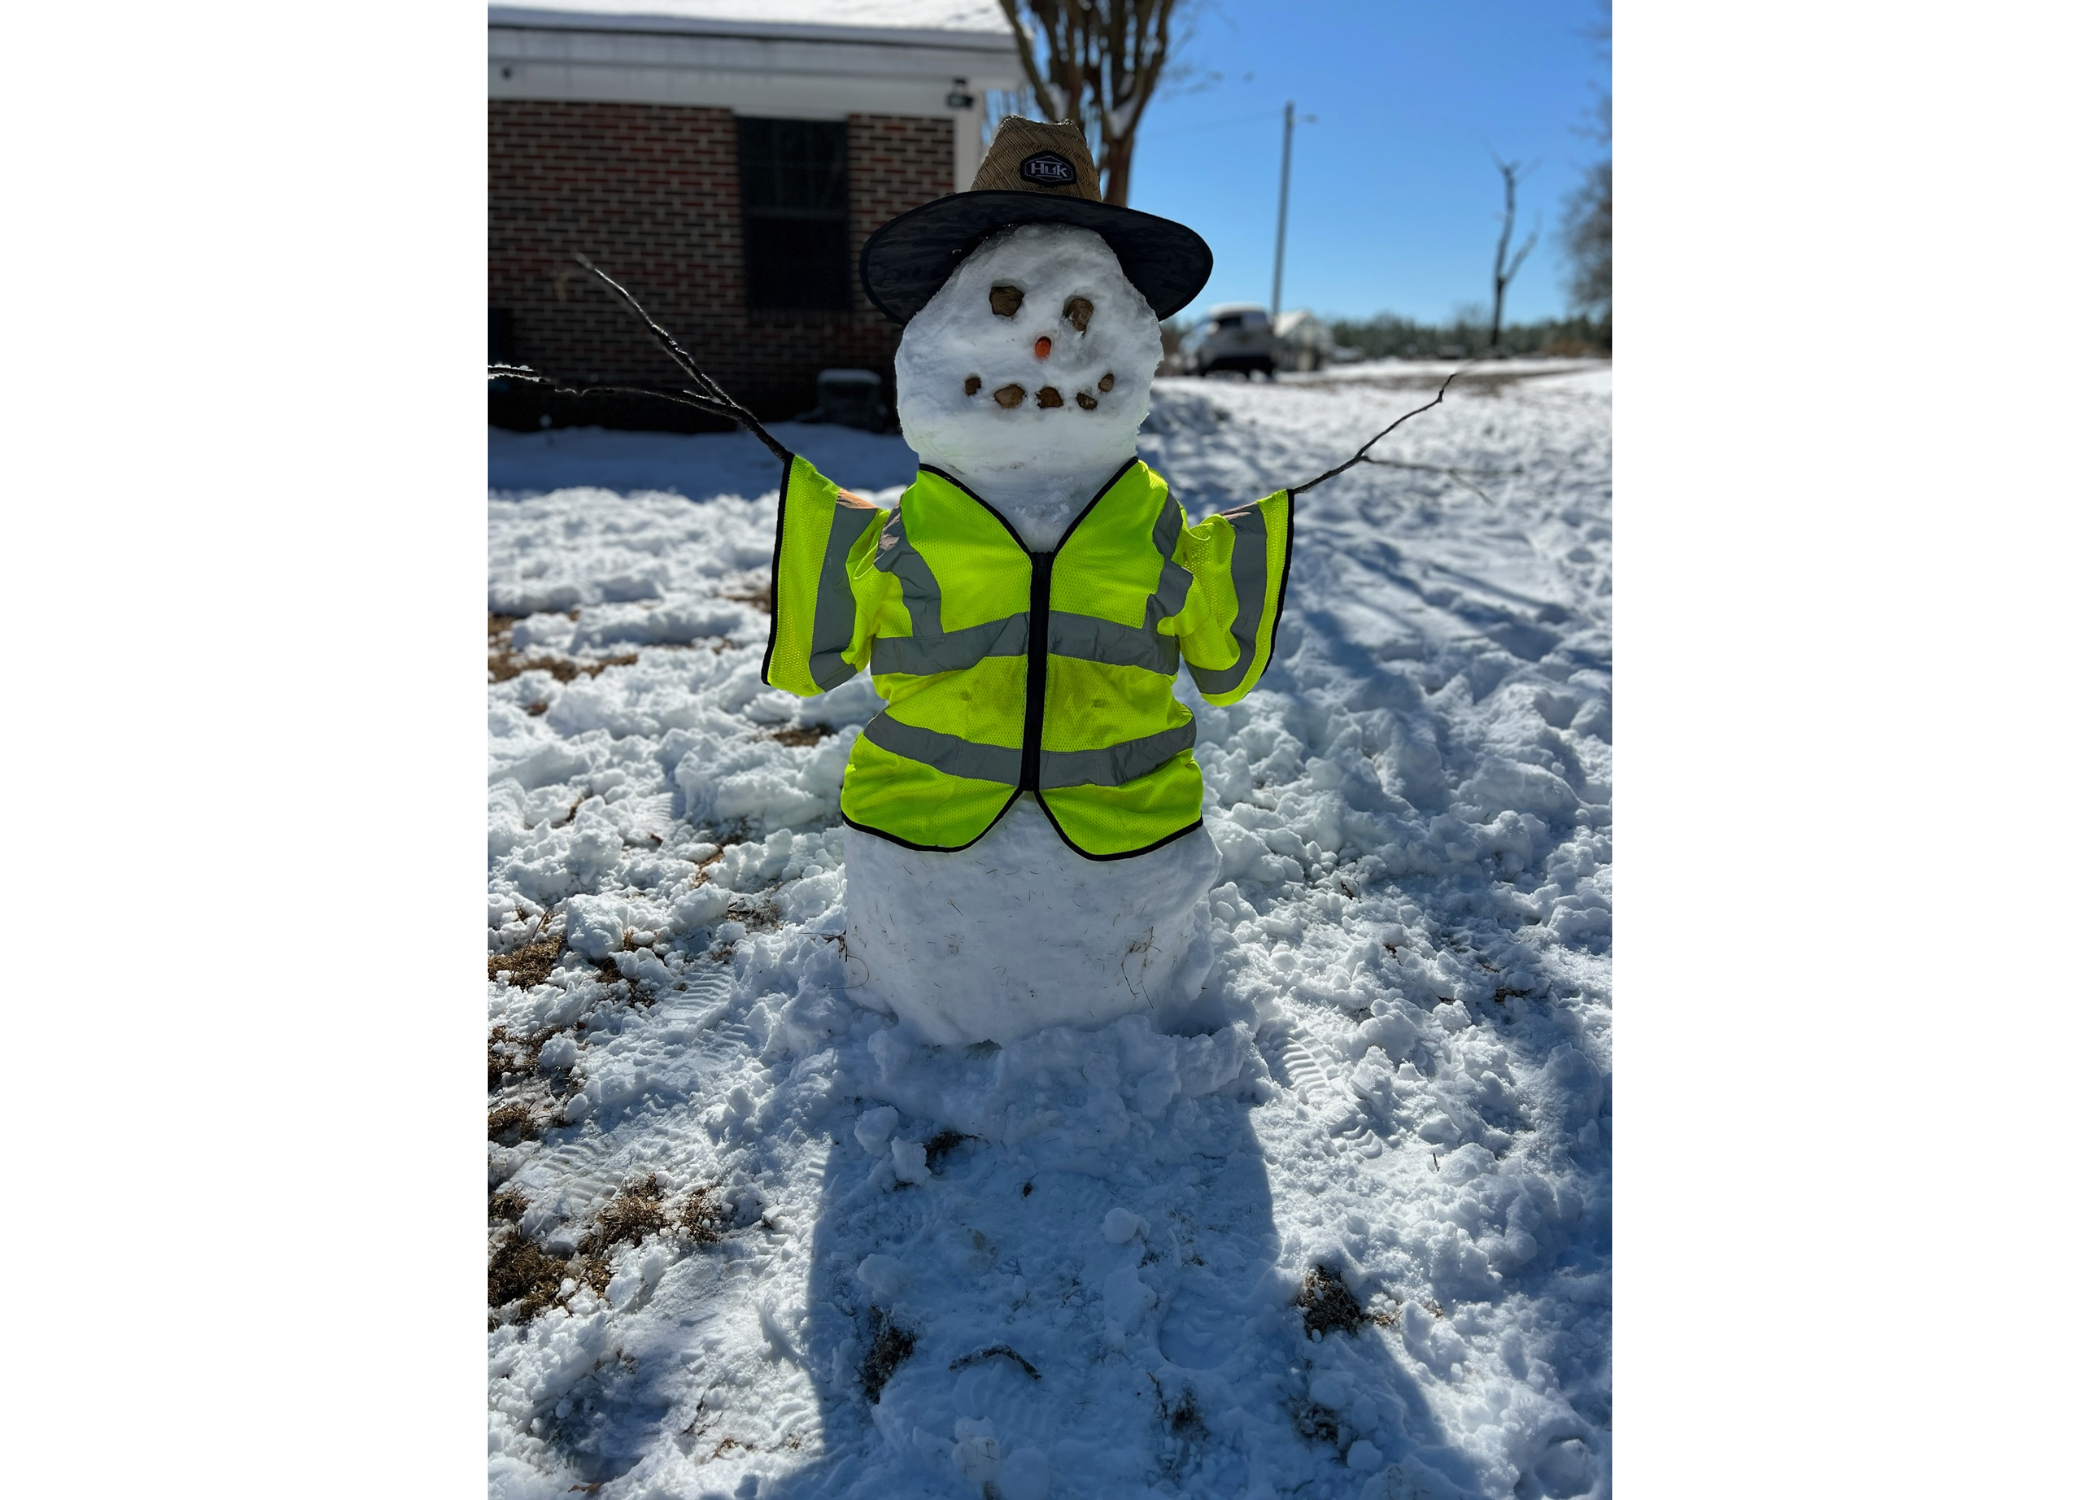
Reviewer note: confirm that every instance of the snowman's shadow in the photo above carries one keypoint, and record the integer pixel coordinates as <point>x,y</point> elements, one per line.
<point>1176,1357</point>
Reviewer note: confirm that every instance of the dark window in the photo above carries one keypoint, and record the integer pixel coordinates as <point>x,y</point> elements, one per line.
<point>794,178</point>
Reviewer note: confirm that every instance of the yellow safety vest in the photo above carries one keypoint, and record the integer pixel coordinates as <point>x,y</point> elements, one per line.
<point>1010,671</point>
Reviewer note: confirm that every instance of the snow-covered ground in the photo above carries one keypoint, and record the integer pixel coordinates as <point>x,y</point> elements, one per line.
<point>1354,1241</point>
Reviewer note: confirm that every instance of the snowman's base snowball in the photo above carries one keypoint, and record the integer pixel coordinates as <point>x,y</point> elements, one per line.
<point>1017,932</point>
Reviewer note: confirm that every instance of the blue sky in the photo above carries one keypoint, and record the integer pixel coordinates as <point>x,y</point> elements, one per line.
<point>1394,196</point>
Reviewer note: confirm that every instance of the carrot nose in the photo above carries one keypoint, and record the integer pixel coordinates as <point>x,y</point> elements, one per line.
<point>1042,347</point>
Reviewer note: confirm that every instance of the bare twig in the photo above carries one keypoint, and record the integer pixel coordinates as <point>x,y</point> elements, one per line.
<point>526,375</point>
<point>1364,452</point>
<point>1457,476</point>
<point>710,398</point>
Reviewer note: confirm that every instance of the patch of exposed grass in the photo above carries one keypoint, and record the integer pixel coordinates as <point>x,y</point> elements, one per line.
<point>636,1212</point>
<point>802,735</point>
<point>760,598</point>
<point>704,1217</point>
<point>521,1271</point>
<point>505,665</point>
<point>514,1122</point>
<point>529,965</point>
<point>1328,1304</point>
<point>510,1054</point>
<point>889,1346</point>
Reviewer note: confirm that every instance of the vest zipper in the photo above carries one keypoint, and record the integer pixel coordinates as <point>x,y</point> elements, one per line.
<point>1038,669</point>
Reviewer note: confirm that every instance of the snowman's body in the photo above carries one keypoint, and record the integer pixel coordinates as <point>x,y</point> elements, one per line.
<point>1019,931</point>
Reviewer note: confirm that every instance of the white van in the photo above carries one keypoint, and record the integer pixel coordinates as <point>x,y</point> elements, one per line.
<point>1235,336</point>
<point>1241,336</point>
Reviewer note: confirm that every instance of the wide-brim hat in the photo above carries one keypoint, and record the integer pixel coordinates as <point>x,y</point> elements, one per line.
<point>1034,173</point>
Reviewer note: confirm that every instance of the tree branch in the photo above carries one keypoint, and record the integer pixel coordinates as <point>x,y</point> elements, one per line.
<point>1365,451</point>
<point>1024,44</point>
<point>526,375</point>
<point>1518,260</point>
<point>710,398</point>
<point>1457,476</point>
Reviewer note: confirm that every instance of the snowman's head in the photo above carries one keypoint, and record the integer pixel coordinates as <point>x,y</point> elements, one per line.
<point>1036,355</point>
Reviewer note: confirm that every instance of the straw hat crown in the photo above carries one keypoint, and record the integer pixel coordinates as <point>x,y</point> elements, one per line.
<point>1036,156</point>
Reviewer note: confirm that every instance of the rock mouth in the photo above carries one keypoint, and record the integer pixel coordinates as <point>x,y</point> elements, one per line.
<point>1012,394</point>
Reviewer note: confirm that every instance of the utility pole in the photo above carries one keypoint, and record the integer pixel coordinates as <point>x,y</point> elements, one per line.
<point>1283,208</point>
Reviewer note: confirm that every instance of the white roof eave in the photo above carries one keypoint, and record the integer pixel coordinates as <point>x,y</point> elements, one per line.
<point>672,20</point>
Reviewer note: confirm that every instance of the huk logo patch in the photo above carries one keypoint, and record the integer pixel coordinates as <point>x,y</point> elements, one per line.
<point>1049,167</point>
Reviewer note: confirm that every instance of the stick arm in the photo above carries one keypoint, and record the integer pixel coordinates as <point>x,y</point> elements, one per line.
<point>1362,454</point>
<point>709,397</point>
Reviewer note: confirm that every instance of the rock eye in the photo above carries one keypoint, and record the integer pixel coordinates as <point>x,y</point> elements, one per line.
<point>1106,382</point>
<point>972,386</point>
<point>1006,300</point>
<point>1079,312</point>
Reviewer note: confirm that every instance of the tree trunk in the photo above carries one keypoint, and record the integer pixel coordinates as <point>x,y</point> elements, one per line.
<point>1115,170</point>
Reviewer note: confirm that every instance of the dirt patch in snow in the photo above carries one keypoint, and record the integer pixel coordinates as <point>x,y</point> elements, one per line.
<point>889,1346</point>
<point>803,734</point>
<point>1328,1304</point>
<point>504,665</point>
<point>527,966</point>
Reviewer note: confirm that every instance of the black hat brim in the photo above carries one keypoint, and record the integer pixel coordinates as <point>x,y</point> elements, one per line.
<point>910,258</point>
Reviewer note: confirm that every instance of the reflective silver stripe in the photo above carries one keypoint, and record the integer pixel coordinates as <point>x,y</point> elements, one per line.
<point>1105,641</point>
<point>929,649</point>
<point>894,554</point>
<point>1172,593</point>
<point>1113,765</point>
<point>1174,579</point>
<point>831,633</point>
<point>947,752</point>
<point>1166,527</point>
<point>1250,579</point>
<point>955,650</point>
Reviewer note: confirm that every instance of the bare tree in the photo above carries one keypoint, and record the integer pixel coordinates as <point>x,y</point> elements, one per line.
<point>1098,63</point>
<point>1506,266</point>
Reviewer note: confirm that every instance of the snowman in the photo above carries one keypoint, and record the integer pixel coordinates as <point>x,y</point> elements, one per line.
<point>1025,844</point>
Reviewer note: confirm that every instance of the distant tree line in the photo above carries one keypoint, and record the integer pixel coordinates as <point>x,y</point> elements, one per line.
<point>1391,337</point>
<point>1585,225</point>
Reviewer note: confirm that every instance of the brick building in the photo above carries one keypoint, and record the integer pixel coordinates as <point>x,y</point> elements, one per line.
<point>725,159</point>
